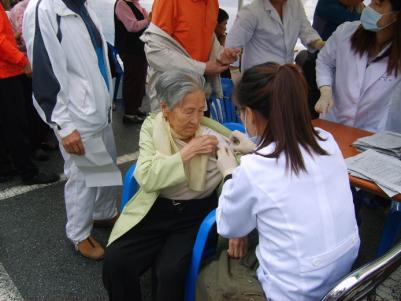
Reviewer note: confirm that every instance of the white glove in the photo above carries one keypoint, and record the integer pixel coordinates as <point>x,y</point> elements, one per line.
<point>325,102</point>
<point>317,44</point>
<point>241,143</point>
<point>226,161</point>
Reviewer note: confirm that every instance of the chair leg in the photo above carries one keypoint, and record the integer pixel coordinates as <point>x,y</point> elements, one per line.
<point>391,229</point>
<point>116,86</point>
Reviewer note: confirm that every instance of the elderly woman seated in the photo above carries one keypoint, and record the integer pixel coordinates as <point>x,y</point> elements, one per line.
<point>178,177</point>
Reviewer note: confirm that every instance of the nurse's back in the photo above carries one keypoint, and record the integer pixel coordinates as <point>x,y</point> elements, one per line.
<point>293,188</point>
<point>308,237</point>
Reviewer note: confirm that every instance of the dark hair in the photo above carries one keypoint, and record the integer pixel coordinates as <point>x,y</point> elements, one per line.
<point>279,95</point>
<point>364,41</point>
<point>222,16</point>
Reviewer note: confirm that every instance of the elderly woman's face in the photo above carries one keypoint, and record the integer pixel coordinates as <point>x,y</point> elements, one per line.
<point>185,117</point>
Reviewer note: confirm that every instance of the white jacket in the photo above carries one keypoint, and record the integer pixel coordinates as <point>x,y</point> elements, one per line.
<point>308,236</point>
<point>69,90</point>
<point>361,92</point>
<point>164,53</point>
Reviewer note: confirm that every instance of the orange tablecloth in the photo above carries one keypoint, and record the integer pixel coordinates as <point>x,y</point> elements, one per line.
<point>345,136</point>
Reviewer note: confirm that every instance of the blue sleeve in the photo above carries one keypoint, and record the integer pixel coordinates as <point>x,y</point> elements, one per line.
<point>333,11</point>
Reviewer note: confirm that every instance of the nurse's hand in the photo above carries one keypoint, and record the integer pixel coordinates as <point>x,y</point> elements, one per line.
<point>226,161</point>
<point>201,145</point>
<point>325,102</point>
<point>73,144</point>
<point>241,143</point>
<point>238,247</point>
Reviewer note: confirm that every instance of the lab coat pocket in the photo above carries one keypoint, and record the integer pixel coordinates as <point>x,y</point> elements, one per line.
<point>323,260</point>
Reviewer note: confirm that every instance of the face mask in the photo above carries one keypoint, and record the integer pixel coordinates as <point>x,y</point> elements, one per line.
<point>369,19</point>
<point>255,139</point>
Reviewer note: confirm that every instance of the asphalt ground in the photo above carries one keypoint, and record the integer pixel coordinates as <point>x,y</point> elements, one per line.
<point>37,262</point>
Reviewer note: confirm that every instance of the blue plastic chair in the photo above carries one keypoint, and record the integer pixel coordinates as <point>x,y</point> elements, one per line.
<point>391,229</point>
<point>130,186</point>
<point>118,69</point>
<point>223,109</point>
<point>198,253</point>
<point>235,126</point>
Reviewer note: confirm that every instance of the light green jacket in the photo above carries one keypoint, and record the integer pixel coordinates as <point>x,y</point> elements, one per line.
<point>153,173</point>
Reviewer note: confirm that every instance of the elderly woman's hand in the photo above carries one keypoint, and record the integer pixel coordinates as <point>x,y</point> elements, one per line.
<point>206,144</point>
<point>238,247</point>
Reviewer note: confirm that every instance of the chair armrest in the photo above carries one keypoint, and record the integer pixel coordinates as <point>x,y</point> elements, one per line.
<point>199,246</point>
<point>130,186</point>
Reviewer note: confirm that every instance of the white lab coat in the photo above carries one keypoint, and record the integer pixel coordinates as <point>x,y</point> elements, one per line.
<point>308,236</point>
<point>74,84</point>
<point>361,92</point>
<point>259,30</point>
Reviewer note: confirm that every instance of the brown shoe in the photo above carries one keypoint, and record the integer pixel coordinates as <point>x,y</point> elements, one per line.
<point>91,249</point>
<point>105,223</point>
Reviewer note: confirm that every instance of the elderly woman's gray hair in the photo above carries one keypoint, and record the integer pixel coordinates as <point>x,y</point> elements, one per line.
<point>173,85</point>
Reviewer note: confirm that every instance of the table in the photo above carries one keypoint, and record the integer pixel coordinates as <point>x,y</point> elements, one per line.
<point>345,136</point>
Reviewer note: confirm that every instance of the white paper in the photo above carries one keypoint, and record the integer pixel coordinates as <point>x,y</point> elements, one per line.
<point>97,165</point>
<point>382,169</point>
<point>385,142</point>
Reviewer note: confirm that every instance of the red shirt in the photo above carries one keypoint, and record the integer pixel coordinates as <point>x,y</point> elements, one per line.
<point>12,60</point>
<point>190,22</point>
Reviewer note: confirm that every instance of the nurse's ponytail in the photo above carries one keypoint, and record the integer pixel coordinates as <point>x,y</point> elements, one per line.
<point>278,93</point>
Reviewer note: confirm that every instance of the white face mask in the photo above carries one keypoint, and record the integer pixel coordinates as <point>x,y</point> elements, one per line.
<point>255,139</point>
<point>370,18</point>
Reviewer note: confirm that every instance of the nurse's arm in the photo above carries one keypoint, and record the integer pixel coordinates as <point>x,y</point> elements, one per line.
<point>236,213</point>
<point>326,62</point>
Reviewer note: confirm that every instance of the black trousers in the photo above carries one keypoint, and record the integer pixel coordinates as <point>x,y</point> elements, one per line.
<point>14,128</point>
<point>39,131</point>
<point>163,240</point>
<point>134,80</point>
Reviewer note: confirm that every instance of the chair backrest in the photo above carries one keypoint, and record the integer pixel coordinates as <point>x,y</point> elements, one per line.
<point>114,60</point>
<point>235,126</point>
<point>363,280</point>
<point>130,186</point>
<point>223,109</point>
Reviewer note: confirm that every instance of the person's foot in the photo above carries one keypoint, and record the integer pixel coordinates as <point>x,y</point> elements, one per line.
<point>105,223</point>
<point>135,119</point>
<point>8,175</point>
<point>90,248</point>
<point>142,114</point>
<point>41,178</point>
<point>114,106</point>
<point>40,155</point>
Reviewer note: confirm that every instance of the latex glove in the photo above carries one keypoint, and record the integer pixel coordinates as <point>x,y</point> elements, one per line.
<point>226,161</point>
<point>317,44</point>
<point>325,102</point>
<point>241,143</point>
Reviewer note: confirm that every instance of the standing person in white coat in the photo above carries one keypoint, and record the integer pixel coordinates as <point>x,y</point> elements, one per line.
<point>267,31</point>
<point>72,92</point>
<point>358,69</point>
<point>293,189</point>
